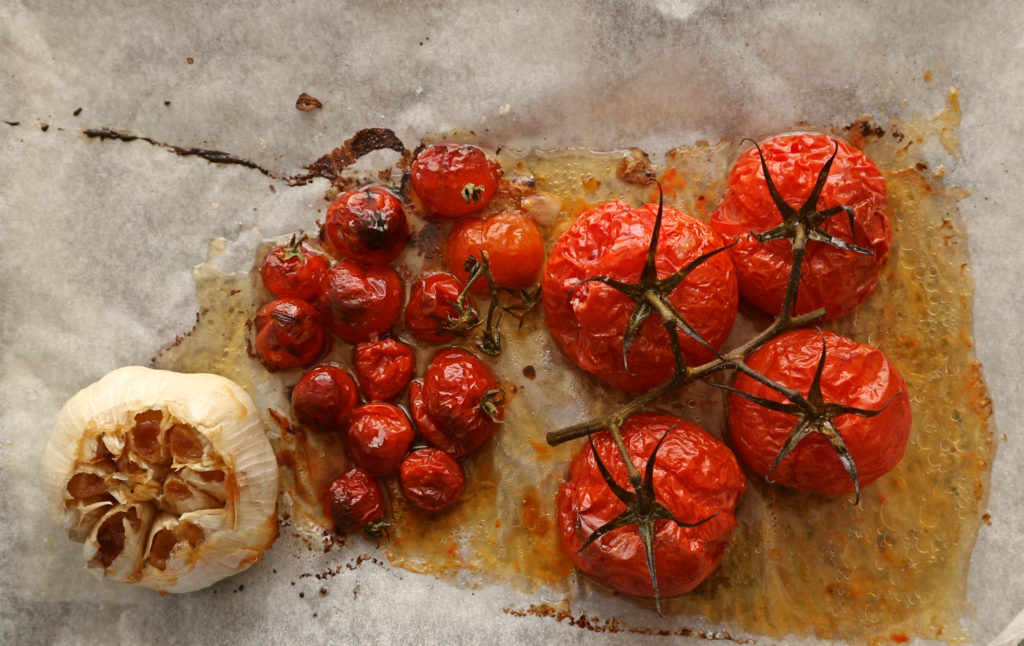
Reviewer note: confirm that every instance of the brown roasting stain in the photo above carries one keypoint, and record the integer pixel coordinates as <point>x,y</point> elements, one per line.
<point>307,103</point>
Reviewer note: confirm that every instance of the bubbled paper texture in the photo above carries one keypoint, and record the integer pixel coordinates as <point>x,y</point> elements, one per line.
<point>98,238</point>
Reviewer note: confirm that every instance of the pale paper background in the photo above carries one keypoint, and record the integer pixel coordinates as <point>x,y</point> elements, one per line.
<point>98,238</point>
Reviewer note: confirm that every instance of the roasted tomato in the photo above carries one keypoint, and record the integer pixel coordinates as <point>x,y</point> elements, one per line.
<point>379,435</point>
<point>432,305</point>
<point>368,225</point>
<point>359,303</point>
<point>832,277</point>
<point>355,501</point>
<point>513,245</point>
<point>293,270</point>
<point>454,180</point>
<point>859,409</point>
<point>589,319</point>
<point>323,398</point>
<point>431,479</point>
<point>289,333</point>
<point>460,402</point>
<point>384,367</point>
<point>695,477</point>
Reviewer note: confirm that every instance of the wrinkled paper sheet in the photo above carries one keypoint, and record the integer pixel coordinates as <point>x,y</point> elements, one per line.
<point>98,238</point>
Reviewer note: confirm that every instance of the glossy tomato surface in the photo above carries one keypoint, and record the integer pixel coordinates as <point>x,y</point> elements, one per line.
<point>355,500</point>
<point>384,367</point>
<point>293,270</point>
<point>453,180</point>
<point>695,477</point>
<point>289,334</point>
<point>855,374</point>
<point>455,397</point>
<point>833,278</point>
<point>588,321</point>
<point>360,303</point>
<point>513,245</point>
<point>368,225</point>
<point>379,435</point>
<point>431,479</point>
<point>432,304</point>
<point>323,398</point>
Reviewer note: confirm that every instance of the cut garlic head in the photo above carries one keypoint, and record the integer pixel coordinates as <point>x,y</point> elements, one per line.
<point>167,478</point>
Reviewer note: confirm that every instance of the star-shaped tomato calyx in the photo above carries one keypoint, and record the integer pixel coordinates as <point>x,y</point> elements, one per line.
<point>294,249</point>
<point>472,192</point>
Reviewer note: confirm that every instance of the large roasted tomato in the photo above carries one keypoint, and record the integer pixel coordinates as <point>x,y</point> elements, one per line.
<point>588,320</point>
<point>695,477</point>
<point>854,376</point>
<point>834,278</point>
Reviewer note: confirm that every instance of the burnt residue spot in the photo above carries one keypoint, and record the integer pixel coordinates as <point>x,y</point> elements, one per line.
<point>167,103</point>
<point>308,103</point>
<point>189,60</point>
<point>213,156</point>
<point>77,112</point>
<point>44,127</point>
<point>302,595</point>
<point>921,167</point>
<point>331,165</point>
<point>324,592</point>
<point>530,372</point>
<point>13,123</point>
<point>596,625</point>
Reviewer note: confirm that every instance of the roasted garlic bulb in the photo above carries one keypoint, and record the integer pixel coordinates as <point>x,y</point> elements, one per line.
<point>168,479</point>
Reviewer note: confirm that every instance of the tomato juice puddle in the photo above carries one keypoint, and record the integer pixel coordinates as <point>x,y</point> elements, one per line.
<point>801,564</point>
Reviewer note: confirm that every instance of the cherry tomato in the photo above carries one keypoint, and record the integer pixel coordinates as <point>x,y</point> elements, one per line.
<point>431,479</point>
<point>368,225</point>
<point>431,304</point>
<point>855,375</point>
<point>359,303</point>
<point>462,402</point>
<point>323,398</point>
<point>695,477</point>
<point>384,367</point>
<point>513,244</point>
<point>833,278</point>
<point>289,333</point>
<point>588,320</point>
<point>454,180</point>
<point>427,428</point>
<point>293,270</point>
<point>379,435</point>
<point>355,500</point>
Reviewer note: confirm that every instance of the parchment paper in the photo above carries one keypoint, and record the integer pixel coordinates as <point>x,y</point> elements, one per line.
<point>98,238</point>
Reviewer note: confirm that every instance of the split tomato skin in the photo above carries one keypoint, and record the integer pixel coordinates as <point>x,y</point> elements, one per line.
<point>384,367</point>
<point>379,435</point>
<point>456,393</point>
<point>293,270</point>
<point>588,321</point>
<point>856,375</point>
<point>360,303</point>
<point>289,334</point>
<point>431,479</point>
<point>833,278</point>
<point>323,397</point>
<point>513,244</point>
<point>454,180</point>
<point>432,303</point>
<point>354,501</point>
<point>368,225</point>
<point>695,476</point>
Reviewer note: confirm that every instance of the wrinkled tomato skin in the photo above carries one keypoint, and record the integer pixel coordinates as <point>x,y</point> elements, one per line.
<point>833,278</point>
<point>454,390</point>
<point>441,172</point>
<point>383,367</point>
<point>284,274</point>
<point>513,244</point>
<point>368,225</point>
<point>856,375</point>
<point>588,322</point>
<point>323,397</point>
<point>360,303</point>
<point>355,500</point>
<point>695,476</point>
<point>289,334</point>
<point>379,435</point>
<point>431,479</point>
<point>431,303</point>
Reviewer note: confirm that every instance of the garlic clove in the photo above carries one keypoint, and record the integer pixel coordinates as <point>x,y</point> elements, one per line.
<point>115,544</point>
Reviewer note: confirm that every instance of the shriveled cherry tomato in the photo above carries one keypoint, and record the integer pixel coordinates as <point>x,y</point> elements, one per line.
<point>355,501</point>
<point>368,225</point>
<point>293,270</point>
<point>454,180</point>
<point>323,398</point>
<point>431,304</point>
<point>463,403</point>
<point>384,367</point>
<point>379,435</point>
<point>696,477</point>
<point>359,303</point>
<point>289,333</point>
<point>854,375</point>
<point>513,244</point>
<point>833,278</point>
<point>431,479</point>
<point>588,320</point>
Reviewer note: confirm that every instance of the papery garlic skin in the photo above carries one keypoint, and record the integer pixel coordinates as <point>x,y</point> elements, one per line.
<point>189,453</point>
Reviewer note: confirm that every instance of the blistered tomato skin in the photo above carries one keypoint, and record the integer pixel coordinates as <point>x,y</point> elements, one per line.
<point>431,305</point>
<point>453,180</point>
<point>355,500</point>
<point>695,477</point>
<point>431,479</point>
<point>588,321</point>
<point>368,225</point>
<point>513,245</point>
<point>462,402</point>
<point>379,435</point>
<point>833,278</point>
<point>293,270</point>
<point>360,303</point>
<point>856,375</point>
<point>289,334</point>
<point>323,398</point>
<point>384,367</point>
